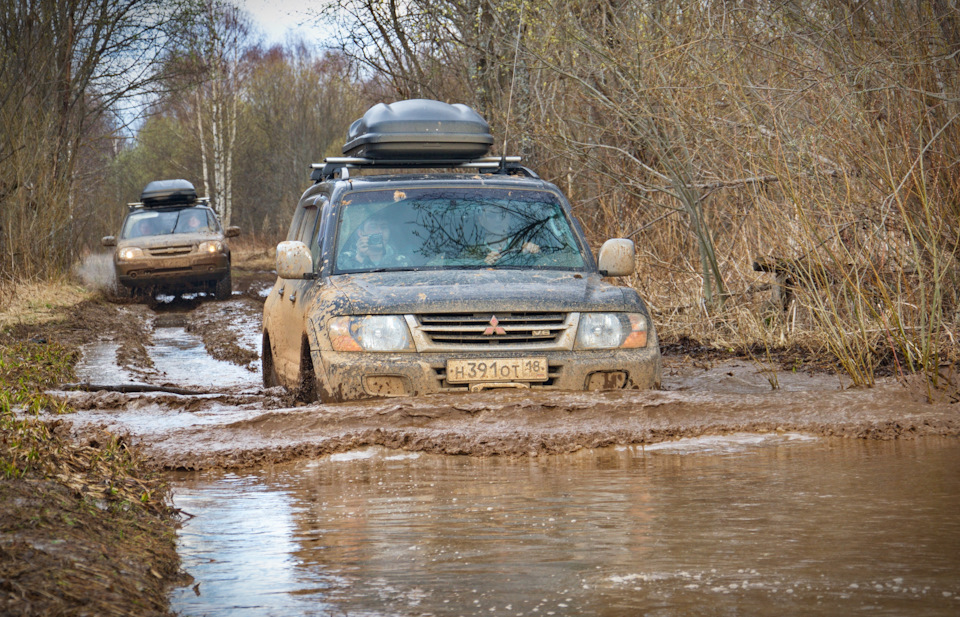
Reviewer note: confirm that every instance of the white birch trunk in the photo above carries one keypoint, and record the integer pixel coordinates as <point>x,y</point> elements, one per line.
<point>231,141</point>
<point>228,165</point>
<point>203,144</point>
<point>217,133</point>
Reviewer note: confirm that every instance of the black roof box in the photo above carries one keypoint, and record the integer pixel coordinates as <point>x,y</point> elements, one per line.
<point>419,129</point>
<point>161,193</point>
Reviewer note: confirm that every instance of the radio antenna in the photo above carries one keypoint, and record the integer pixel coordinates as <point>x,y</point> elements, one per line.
<point>513,80</point>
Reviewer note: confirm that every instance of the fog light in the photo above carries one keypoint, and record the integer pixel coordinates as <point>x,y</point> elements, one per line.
<point>606,380</point>
<point>386,385</point>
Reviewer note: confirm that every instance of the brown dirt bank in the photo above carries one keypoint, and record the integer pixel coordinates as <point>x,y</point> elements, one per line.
<point>63,555</point>
<point>85,527</point>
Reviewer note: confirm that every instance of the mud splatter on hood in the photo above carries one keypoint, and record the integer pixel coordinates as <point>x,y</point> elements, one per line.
<point>481,290</point>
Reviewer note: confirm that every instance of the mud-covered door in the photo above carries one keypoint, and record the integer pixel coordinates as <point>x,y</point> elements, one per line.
<point>287,325</point>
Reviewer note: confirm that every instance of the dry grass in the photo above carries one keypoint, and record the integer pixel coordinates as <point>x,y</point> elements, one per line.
<point>37,302</point>
<point>254,253</point>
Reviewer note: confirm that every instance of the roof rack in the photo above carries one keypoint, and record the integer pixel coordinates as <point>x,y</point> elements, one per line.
<point>340,165</point>
<point>201,201</point>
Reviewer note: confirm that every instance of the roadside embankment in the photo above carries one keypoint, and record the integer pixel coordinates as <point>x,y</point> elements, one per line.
<point>86,527</point>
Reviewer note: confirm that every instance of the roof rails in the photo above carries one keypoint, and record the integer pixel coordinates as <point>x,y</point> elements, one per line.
<point>201,201</point>
<point>340,165</point>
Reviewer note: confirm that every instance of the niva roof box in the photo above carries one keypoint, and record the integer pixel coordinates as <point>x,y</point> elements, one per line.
<point>419,129</point>
<point>161,193</point>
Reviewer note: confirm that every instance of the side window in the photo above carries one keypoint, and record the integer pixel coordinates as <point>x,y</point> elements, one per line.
<point>316,241</point>
<point>317,238</point>
<point>295,223</point>
<point>307,223</point>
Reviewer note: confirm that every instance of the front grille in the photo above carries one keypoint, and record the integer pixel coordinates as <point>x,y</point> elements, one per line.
<point>171,251</point>
<point>492,329</point>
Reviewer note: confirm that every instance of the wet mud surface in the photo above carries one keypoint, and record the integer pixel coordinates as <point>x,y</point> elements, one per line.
<point>247,430</point>
<point>230,421</point>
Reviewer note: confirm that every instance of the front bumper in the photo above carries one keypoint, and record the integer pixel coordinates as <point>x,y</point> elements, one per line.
<point>173,272</point>
<point>354,375</point>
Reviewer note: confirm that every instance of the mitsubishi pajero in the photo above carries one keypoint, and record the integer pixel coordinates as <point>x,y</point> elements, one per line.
<point>457,272</point>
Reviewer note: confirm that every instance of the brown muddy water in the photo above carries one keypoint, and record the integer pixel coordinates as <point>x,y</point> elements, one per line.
<point>742,524</point>
<point>717,495</point>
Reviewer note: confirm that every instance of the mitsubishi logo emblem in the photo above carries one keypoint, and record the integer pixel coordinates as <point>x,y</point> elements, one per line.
<point>494,327</point>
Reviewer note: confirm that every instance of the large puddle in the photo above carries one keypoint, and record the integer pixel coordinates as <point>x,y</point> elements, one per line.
<point>741,524</point>
<point>179,358</point>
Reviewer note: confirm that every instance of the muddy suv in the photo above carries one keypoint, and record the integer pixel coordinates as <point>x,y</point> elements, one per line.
<point>171,242</point>
<point>446,281</point>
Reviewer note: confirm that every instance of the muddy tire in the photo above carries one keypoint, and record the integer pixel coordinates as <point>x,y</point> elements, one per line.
<point>307,387</point>
<point>223,288</point>
<point>267,369</point>
<point>140,295</point>
<point>121,292</point>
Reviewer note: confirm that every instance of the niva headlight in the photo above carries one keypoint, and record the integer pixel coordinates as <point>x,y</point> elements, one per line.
<point>129,253</point>
<point>612,331</point>
<point>211,246</point>
<point>370,333</point>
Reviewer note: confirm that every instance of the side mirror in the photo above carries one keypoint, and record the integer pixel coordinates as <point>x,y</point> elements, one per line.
<point>108,241</point>
<point>293,260</point>
<point>231,232</point>
<point>618,257</point>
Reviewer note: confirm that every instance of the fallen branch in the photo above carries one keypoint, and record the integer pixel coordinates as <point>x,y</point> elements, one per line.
<point>135,387</point>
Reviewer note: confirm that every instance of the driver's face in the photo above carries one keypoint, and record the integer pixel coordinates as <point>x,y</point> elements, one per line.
<point>376,227</point>
<point>495,220</point>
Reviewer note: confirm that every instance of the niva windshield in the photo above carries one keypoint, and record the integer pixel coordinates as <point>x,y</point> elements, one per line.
<point>458,227</point>
<point>160,222</point>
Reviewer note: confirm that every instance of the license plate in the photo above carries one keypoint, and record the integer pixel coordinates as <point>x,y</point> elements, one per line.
<point>497,369</point>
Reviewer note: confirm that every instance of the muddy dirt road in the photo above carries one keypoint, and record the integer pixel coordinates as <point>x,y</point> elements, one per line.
<point>211,350</point>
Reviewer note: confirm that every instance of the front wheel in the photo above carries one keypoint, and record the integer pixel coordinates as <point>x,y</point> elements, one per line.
<point>266,364</point>
<point>122,292</point>
<point>223,288</point>
<point>307,387</point>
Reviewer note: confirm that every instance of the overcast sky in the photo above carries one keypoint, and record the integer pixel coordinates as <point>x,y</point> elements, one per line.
<point>277,17</point>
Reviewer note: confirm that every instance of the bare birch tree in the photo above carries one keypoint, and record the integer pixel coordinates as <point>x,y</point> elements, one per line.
<point>211,64</point>
<point>65,68</point>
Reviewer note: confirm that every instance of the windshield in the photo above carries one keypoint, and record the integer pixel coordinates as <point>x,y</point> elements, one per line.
<point>454,228</point>
<point>159,222</point>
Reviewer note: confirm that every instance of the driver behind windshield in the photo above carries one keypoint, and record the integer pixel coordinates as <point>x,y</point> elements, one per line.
<point>144,227</point>
<point>373,248</point>
<point>192,221</point>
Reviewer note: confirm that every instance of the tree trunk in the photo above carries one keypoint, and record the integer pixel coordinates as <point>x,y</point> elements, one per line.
<point>203,144</point>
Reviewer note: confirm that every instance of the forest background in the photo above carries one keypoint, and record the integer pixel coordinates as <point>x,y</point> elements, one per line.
<point>789,171</point>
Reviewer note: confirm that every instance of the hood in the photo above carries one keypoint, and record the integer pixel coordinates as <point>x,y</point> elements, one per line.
<point>479,291</point>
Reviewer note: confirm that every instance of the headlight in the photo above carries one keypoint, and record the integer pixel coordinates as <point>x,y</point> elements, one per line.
<point>612,330</point>
<point>130,253</point>
<point>370,333</point>
<point>212,246</point>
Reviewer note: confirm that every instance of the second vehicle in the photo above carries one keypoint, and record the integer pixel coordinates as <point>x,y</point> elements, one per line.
<point>172,242</point>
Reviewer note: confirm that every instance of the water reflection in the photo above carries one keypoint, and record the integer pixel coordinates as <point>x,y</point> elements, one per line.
<point>739,525</point>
